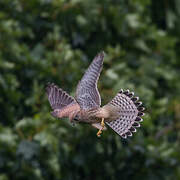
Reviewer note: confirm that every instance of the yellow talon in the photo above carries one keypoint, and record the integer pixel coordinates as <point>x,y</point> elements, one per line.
<point>99,133</point>
<point>100,130</point>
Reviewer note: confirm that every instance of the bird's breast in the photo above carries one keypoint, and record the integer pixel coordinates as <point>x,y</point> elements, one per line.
<point>88,116</point>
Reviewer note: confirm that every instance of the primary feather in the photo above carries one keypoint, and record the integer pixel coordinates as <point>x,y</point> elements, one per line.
<point>57,97</point>
<point>87,94</point>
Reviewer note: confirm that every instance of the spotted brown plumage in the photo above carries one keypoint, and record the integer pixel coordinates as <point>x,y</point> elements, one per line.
<point>123,113</point>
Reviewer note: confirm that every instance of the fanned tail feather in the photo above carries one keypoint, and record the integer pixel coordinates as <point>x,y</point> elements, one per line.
<point>130,110</point>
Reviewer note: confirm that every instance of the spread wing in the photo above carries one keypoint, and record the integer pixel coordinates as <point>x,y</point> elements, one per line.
<point>63,104</point>
<point>58,98</point>
<point>87,94</point>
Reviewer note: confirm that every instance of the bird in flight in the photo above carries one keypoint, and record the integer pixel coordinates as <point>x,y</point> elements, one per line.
<point>123,113</point>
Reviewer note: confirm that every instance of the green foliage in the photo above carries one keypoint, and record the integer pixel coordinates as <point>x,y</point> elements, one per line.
<point>45,40</point>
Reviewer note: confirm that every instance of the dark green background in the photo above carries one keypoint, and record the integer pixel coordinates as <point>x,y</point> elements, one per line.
<point>55,40</point>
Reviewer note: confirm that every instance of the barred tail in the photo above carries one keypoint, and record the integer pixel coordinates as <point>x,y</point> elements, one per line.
<point>57,97</point>
<point>130,110</point>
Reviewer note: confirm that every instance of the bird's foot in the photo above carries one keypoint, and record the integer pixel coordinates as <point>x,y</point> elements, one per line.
<point>99,133</point>
<point>100,130</point>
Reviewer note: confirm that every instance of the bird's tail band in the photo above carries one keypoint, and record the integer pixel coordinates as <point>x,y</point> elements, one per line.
<point>130,111</point>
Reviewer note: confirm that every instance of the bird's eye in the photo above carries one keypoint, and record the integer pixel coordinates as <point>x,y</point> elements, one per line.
<point>76,118</point>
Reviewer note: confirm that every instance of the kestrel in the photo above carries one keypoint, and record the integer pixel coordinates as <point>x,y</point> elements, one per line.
<point>123,113</point>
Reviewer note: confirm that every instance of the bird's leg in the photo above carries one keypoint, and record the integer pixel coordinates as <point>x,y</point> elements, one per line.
<point>102,123</point>
<point>100,130</point>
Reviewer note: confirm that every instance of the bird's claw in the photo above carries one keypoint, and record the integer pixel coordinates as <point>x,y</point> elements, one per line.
<point>99,133</point>
<point>100,130</point>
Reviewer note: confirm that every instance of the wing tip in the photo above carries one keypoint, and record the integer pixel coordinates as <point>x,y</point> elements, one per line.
<point>100,55</point>
<point>50,85</point>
